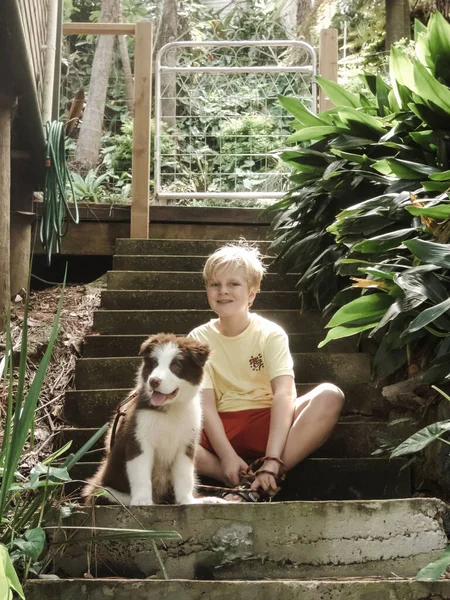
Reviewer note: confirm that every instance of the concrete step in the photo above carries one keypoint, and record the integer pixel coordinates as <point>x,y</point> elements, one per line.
<point>91,408</point>
<point>285,540</point>
<point>321,479</point>
<point>350,439</point>
<point>194,300</point>
<point>184,320</point>
<point>101,373</point>
<point>179,280</point>
<point>97,346</point>
<point>377,588</point>
<point>179,246</point>
<point>164,262</point>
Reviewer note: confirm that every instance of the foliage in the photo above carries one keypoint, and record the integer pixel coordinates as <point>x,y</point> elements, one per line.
<point>9,582</point>
<point>193,150</point>
<point>244,146</point>
<point>89,188</point>
<point>387,149</point>
<point>416,443</point>
<point>118,148</point>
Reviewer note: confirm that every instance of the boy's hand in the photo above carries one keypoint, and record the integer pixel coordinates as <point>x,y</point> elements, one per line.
<point>232,466</point>
<point>266,481</point>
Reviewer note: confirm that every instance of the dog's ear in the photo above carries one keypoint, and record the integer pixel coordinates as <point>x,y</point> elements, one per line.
<point>148,346</point>
<point>198,352</point>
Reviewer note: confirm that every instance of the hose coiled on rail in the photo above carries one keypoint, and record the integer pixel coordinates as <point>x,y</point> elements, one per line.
<point>56,210</point>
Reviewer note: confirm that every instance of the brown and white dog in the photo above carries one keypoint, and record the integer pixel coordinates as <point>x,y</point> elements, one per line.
<point>152,458</point>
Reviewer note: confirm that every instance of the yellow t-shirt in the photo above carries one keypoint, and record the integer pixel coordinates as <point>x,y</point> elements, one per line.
<point>241,368</point>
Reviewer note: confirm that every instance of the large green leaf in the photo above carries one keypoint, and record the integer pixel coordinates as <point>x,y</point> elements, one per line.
<point>369,306</point>
<point>419,27</point>
<point>337,94</point>
<point>428,87</point>
<point>441,176</point>
<point>32,543</point>
<point>441,211</point>
<point>312,133</point>
<point>435,186</point>
<point>8,577</point>
<point>300,112</point>
<point>383,243</point>
<point>405,169</point>
<point>425,138</point>
<point>341,332</point>
<point>423,51</point>
<point>402,76</point>
<point>352,119</point>
<point>430,252</point>
<point>439,45</point>
<point>427,316</point>
<point>435,569</point>
<point>420,440</point>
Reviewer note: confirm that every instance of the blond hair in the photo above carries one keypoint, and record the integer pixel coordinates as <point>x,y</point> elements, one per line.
<point>232,257</point>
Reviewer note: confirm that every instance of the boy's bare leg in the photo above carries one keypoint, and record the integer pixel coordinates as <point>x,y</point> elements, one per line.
<point>208,464</point>
<point>316,414</point>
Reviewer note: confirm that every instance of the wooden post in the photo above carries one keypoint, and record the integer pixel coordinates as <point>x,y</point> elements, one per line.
<point>20,249</point>
<point>140,192</point>
<point>328,63</point>
<point>6,103</point>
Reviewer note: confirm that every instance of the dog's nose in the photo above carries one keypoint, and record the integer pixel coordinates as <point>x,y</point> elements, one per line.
<point>154,382</point>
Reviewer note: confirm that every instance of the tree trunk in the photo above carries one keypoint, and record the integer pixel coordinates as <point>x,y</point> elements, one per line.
<point>167,32</point>
<point>89,141</point>
<point>6,103</point>
<point>305,11</point>
<point>397,21</point>
<point>126,65</point>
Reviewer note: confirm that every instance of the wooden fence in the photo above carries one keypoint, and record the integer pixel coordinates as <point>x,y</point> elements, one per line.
<point>34,15</point>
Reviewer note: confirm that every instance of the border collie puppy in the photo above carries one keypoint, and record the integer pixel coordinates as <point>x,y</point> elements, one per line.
<point>151,460</point>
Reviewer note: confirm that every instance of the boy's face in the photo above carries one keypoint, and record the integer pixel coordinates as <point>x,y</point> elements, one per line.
<point>229,294</point>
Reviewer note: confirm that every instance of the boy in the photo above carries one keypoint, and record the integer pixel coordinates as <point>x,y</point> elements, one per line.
<point>250,408</point>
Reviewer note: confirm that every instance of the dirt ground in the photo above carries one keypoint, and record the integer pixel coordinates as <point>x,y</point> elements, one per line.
<point>79,304</point>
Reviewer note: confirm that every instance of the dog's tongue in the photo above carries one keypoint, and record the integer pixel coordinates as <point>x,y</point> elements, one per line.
<point>158,398</point>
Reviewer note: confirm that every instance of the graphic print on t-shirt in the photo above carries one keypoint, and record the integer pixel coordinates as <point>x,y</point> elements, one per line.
<point>256,362</point>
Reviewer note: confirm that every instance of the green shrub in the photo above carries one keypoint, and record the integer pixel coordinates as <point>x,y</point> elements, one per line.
<point>120,147</point>
<point>369,199</point>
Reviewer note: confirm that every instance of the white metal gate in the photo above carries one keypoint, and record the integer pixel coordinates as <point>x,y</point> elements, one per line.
<point>218,120</point>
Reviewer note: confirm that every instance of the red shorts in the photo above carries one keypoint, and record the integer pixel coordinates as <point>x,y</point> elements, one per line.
<point>247,431</point>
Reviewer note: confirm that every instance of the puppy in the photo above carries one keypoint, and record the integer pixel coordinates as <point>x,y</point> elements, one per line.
<point>151,460</point>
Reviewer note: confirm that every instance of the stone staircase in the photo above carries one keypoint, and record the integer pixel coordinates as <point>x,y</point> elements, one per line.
<point>341,514</point>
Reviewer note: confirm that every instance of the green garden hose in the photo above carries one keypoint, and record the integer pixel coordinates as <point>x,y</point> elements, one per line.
<point>54,221</point>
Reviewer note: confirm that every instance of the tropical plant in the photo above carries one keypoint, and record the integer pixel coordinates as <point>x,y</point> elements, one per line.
<point>89,188</point>
<point>417,443</point>
<point>369,200</point>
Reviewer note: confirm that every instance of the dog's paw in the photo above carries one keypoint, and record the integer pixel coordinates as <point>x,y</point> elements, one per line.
<point>141,500</point>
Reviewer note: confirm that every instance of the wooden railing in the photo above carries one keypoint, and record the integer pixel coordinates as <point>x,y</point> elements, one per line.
<point>34,15</point>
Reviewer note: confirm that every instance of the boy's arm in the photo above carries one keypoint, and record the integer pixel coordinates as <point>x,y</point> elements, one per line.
<point>281,417</point>
<point>230,461</point>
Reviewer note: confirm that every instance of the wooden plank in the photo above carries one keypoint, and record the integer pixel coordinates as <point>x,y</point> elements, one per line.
<point>99,28</point>
<point>170,214</point>
<point>328,63</point>
<point>6,106</point>
<point>140,187</point>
